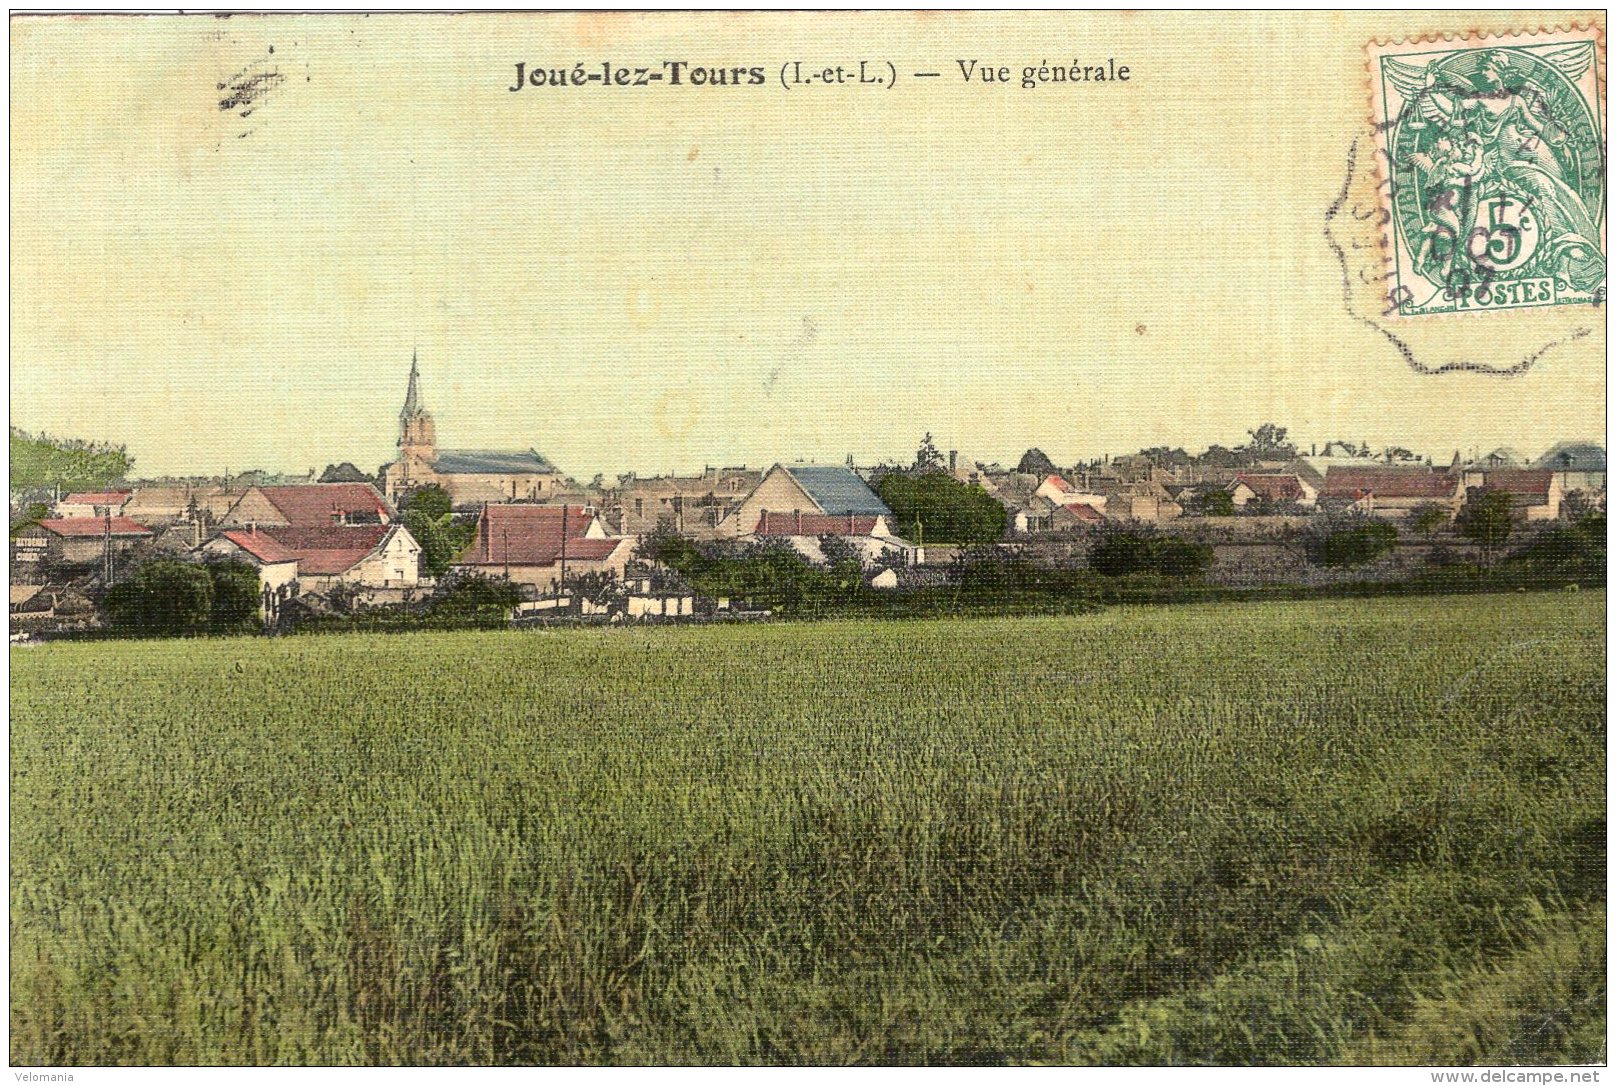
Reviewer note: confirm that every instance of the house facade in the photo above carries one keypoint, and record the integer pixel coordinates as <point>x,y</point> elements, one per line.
<point>275,563</point>
<point>827,489</point>
<point>367,556</point>
<point>1579,464</point>
<point>104,503</point>
<point>1393,492</point>
<point>1273,488</point>
<point>339,534</point>
<point>543,546</point>
<point>870,538</point>
<point>1534,495</point>
<point>76,541</point>
<point>314,505</point>
<point>693,505</point>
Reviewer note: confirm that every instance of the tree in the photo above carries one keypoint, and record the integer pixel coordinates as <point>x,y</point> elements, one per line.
<point>1429,519</point>
<point>430,501</point>
<point>670,549</point>
<point>838,551</point>
<point>1349,541</point>
<point>1268,443</point>
<point>163,598</point>
<point>476,594</point>
<point>1034,462</point>
<point>32,514</point>
<point>1487,518</point>
<point>235,597</point>
<point>940,508</point>
<point>1216,502</point>
<point>1216,456</point>
<point>43,461</point>
<point>1164,456</point>
<point>429,517</point>
<point>1579,504</point>
<point>927,458</point>
<point>1118,554</point>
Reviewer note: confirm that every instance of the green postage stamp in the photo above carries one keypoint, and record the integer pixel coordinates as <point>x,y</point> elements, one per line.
<point>1492,170</point>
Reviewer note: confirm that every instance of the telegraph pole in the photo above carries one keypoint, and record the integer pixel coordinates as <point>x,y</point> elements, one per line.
<point>564,510</point>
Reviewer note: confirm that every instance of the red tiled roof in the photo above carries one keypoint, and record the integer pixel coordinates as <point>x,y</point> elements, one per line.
<point>1524,484</point>
<point>530,535</point>
<point>312,506</point>
<point>1278,488</point>
<point>816,524</point>
<point>327,551</point>
<point>261,546</point>
<point>1084,511</point>
<point>591,549</point>
<point>94,526</point>
<point>1389,483</point>
<point>1059,484</point>
<point>98,497</point>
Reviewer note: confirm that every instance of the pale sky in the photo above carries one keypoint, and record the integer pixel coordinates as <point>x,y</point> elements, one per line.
<point>659,278</point>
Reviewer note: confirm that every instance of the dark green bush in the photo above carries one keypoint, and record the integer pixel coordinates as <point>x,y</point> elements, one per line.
<point>1351,543</point>
<point>1120,554</point>
<point>170,598</point>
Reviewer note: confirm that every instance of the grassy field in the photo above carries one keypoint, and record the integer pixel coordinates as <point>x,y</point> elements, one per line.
<point>1365,831</point>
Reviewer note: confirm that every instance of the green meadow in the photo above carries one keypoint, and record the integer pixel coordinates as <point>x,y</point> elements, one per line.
<point>1287,832</point>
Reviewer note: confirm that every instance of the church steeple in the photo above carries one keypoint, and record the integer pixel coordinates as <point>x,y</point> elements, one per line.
<point>412,398</point>
<point>417,434</point>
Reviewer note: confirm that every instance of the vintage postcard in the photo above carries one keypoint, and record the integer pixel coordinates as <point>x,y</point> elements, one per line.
<point>808,538</point>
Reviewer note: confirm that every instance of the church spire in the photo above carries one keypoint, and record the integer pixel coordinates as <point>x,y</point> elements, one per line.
<point>412,398</point>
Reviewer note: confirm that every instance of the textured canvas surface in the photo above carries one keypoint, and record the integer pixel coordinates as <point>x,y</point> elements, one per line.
<point>778,538</point>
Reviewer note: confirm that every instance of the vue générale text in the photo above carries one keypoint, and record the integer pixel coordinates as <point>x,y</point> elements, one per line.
<point>811,73</point>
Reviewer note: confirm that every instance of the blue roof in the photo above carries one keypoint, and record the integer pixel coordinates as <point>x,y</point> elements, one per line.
<point>479,462</point>
<point>1577,456</point>
<point>838,490</point>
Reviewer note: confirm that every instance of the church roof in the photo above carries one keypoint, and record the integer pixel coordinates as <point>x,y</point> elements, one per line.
<point>482,462</point>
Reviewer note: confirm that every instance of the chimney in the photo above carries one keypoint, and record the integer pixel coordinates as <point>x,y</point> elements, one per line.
<point>953,457</point>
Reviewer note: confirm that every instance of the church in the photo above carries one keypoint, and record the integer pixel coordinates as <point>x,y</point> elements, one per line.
<point>471,476</point>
